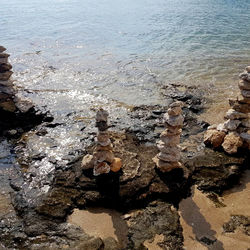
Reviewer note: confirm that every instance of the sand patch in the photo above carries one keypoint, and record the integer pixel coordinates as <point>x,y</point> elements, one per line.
<point>201,219</point>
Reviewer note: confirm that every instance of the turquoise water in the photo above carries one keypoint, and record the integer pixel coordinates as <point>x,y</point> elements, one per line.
<point>125,50</point>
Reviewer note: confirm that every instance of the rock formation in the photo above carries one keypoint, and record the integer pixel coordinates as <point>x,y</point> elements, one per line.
<point>169,155</point>
<point>102,160</point>
<point>234,133</point>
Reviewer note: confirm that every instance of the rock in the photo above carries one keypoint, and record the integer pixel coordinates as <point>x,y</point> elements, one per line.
<point>232,124</point>
<point>104,148</point>
<point>170,140</point>
<point>246,138</point>
<point>174,111</point>
<point>234,115</point>
<point>248,69</point>
<point>170,130</point>
<point>245,76</point>
<point>244,85</point>
<point>232,142</point>
<point>221,127</point>
<point>240,107</point>
<point>245,93</point>
<point>24,105</point>
<point>94,243</point>
<point>169,157</point>
<point>173,120</point>
<point>110,244</point>
<point>2,49</point>
<point>101,168</point>
<point>102,115</point>
<point>214,137</point>
<point>103,138</point>
<point>176,104</point>
<point>246,122</point>
<point>5,76</point>
<point>8,106</point>
<point>166,149</point>
<point>88,161</point>
<point>5,67</point>
<point>102,156</point>
<point>116,165</point>
<point>242,99</point>
<point>166,166</point>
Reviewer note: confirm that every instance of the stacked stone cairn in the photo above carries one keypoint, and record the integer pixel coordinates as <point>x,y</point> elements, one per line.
<point>169,155</point>
<point>234,133</point>
<point>103,159</point>
<point>6,86</point>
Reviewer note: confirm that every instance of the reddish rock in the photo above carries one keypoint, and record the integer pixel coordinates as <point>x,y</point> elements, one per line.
<point>214,137</point>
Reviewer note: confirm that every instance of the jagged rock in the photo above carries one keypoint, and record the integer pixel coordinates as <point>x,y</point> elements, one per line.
<point>232,142</point>
<point>246,138</point>
<point>214,137</point>
<point>103,138</point>
<point>232,124</point>
<point>234,115</point>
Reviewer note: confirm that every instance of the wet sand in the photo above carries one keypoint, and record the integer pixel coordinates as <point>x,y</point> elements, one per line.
<point>201,217</point>
<point>101,222</point>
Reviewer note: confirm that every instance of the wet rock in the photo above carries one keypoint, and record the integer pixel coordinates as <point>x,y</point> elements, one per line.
<point>214,137</point>
<point>232,142</point>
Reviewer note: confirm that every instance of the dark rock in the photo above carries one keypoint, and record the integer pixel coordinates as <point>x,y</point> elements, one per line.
<point>5,67</point>
<point>237,221</point>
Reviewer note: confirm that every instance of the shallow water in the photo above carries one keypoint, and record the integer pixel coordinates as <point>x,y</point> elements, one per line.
<point>124,50</point>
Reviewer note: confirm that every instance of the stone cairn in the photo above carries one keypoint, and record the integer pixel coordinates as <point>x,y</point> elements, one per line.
<point>234,133</point>
<point>102,160</point>
<point>6,86</point>
<point>169,155</point>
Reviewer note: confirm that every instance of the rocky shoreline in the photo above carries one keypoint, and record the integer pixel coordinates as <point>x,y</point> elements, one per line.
<point>47,187</point>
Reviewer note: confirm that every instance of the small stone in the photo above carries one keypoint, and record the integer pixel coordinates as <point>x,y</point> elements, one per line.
<point>102,156</point>
<point>5,76</point>
<point>5,67</point>
<point>242,99</point>
<point>4,55</point>
<point>214,126</point>
<point>245,76</point>
<point>244,85</point>
<point>3,60</point>
<point>221,127</point>
<point>232,142</point>
<point>174,120</point>
<point>164,148</point>
<point>104,148</point>
<point>240,107</point>
<point>248,69</point>
<point>103,138</point>
<point>101,168</point>
<point>232,124</point>
<point>176,104</point>
<point>175,111</point>
<point>166,166</point>
<point>88,161</point>
<point>245,93</point>
<point>116,165</point>
<point>170,140</point>
<point>2,49</point>
<point>169,157</point>
<point>234,115</point>
<point>12,132</point>
<point>102,115</point>
<point>173,130</point>
<point>246,122</point>
<point>214,137</point>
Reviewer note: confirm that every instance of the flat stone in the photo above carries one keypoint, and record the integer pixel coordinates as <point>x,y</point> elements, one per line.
<point>104,148</point>
<point>5,67</point>
<point>164,148</point>
<point>246,122</point>
<point>234,115</point>
<point>245,93</point>
<point>5,76</point>
<point>170,140</point>
<point>214,137</point>
<point>173,120</point>
<point>4,55</point>
<point>103,138</point>
<point>232,124</point>
<point>175,111</point>
<point>2,49</point>
<point>88,161</point>
<point>102,156</point>
<point>166,166</point>
<point>242,99</point>
<point>232,142</point>
<point>170,130</point>
<point>176,104</point>
<point>245,76</point>
<point>169,157</point>
<point>3,60</point>
<point>240,107</point>
<point>244,85</point>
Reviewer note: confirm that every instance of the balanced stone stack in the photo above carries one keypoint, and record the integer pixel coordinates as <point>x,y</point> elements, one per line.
<point>169,155</point>
<point>6,85</point>
<point>102,160</point>
<point>234,133</point>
